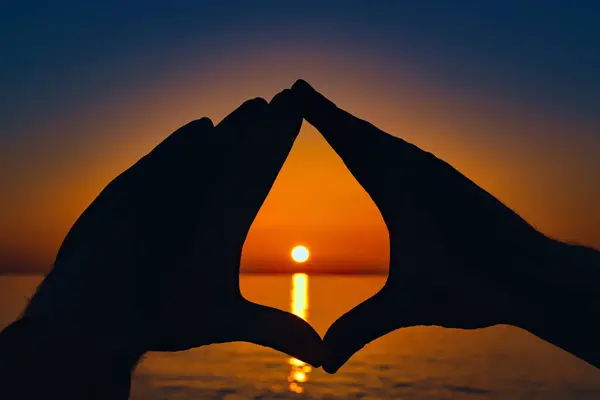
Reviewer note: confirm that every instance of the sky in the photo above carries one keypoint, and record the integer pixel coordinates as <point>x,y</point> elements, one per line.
<point>508,92</point>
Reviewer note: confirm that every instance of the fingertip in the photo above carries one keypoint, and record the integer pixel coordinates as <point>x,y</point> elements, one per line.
<point>284,100</point>
<point>207,121</point>
<point>334,350</point>
<point>283,332</point>
<point>251,106</point>
<point>312,350</point>
<point>287,111</point>
<point>284,94</point>
<point>316,108</point>
<point>255,102</point>
<point>316,363</point>
<point>330,369</point>
<point>249,110</point>
<point>355,329</point>
<point>301,86</point>
<point>201,124</point>
<point>305,95</point>
<point>329,363</point>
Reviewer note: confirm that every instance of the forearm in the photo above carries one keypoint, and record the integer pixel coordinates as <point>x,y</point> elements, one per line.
<point>565,311</point>
<point>37,362</point>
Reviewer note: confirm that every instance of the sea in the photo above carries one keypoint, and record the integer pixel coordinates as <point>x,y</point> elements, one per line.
<point>500,362</point>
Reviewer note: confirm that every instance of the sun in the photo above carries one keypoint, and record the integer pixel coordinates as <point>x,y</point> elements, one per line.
<point>300,254</point>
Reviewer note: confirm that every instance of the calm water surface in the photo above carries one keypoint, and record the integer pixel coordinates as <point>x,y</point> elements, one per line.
<point>416,363</point>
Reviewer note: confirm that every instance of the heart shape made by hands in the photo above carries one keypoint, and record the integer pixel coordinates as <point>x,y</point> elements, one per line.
<point>153,263</point>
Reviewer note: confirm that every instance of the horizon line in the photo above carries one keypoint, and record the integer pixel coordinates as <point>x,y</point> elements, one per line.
<point>274,272</point>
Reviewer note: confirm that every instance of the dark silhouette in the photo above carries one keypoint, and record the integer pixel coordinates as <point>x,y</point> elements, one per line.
<point>459,257</point>
<point>153,264</point>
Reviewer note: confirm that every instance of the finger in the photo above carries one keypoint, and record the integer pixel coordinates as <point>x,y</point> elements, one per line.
<point>237,134</point>
<point>207,157</point>
<point>273,144</point>
<point>239,125</point>
<point>269,137</point>
<point>182,138</point>
<point>202,158</point>
<point>281,331</point>
<point>169,177</point>
<point>355,329</point>
<point>204,151</point>
<point>179,201</point>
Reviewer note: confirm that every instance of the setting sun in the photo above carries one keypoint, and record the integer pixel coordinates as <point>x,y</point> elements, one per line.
<point>300,254</point>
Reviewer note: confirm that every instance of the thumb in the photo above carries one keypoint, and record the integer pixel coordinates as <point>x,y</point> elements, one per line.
<point>282,331</point>
<point>352,331</point>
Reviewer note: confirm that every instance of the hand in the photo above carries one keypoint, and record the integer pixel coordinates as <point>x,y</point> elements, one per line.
<point>459,258</point>
<point>153,263</point>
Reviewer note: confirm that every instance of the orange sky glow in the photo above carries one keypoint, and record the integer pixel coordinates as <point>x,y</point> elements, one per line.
<point>522,156</point>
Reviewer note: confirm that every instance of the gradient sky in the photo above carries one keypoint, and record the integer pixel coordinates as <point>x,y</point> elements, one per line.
<point>507,91</point>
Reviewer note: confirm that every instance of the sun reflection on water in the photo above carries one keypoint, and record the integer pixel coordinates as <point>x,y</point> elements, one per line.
<point>299,306</point>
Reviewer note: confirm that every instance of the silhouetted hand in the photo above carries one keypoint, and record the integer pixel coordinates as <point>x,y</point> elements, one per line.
<point>459,258</point>
<point>153,263</point>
